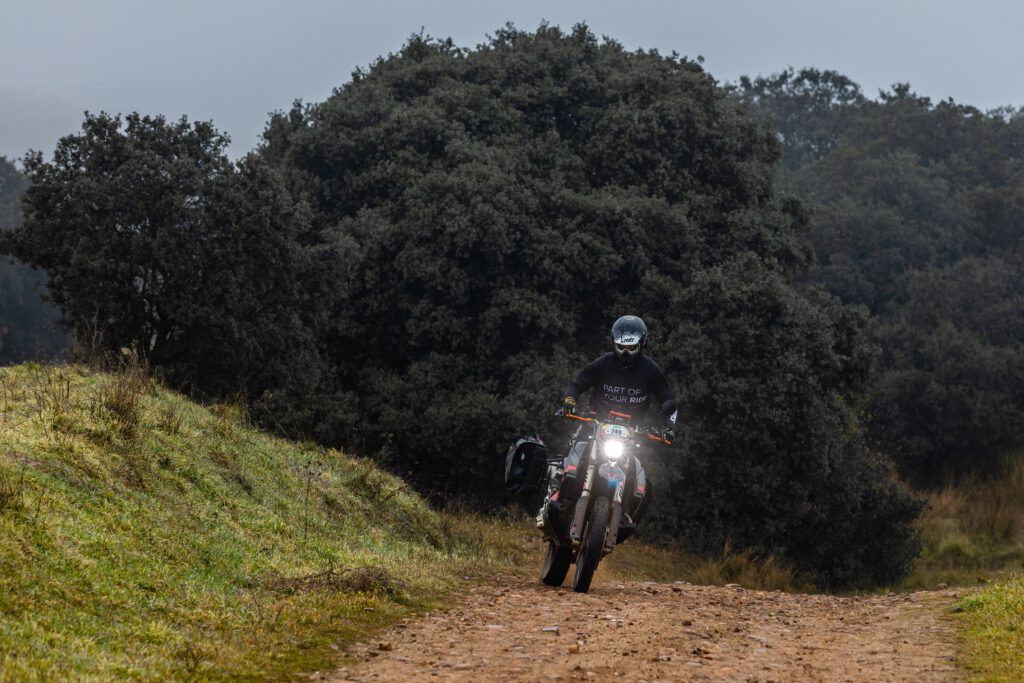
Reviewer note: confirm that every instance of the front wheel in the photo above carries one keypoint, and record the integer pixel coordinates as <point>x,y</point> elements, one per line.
<point>556,564</point>
<point>593,546</point>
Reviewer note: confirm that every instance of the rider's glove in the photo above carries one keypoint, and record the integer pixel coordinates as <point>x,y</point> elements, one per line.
<point>568,406</point>
<point>669,434</point>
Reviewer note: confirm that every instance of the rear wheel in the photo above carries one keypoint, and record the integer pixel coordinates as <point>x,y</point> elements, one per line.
<point>593,546</point>
<point>556,564</point>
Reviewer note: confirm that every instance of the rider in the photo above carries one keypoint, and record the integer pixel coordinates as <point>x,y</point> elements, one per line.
<point>624,381</point>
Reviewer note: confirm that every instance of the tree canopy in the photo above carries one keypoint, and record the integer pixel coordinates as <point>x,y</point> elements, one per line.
<point>154,240</point>
<point>917,213</point>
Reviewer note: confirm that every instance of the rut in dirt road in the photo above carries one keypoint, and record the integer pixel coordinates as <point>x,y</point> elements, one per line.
<point>519,630</point>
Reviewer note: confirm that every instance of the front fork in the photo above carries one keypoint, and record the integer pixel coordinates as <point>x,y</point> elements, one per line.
<point>576,530</point>
<point>613,524</point>
<point>580,513</point>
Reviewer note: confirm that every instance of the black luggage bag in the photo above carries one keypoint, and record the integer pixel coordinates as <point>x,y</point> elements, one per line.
<point>526,465</point>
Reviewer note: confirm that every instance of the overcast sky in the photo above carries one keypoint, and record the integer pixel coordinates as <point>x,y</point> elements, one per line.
<point>233,61</point>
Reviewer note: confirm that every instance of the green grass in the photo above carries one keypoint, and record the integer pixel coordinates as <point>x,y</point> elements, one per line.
<point>145,537</point>
<point>973,532</point>
<point>993,631</point>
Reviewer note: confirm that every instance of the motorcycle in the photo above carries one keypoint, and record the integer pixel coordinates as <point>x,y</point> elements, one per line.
<point>587,518</point>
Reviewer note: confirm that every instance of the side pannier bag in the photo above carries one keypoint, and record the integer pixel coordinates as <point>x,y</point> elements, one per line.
<point>526,465</point>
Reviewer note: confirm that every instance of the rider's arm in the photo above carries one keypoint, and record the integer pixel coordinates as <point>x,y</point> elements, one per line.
<point>666,406</point>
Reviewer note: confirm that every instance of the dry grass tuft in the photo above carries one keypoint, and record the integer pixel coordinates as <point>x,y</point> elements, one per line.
<point>973,531</point>
<point>51,393</point>
<point>743,567</point>
<point>122,394</point>
<point>12,491</point>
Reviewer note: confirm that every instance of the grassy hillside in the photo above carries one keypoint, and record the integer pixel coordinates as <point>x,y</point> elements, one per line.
<point>144,536</point>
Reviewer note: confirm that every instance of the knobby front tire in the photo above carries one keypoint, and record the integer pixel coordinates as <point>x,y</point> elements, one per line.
<point>593,545</point>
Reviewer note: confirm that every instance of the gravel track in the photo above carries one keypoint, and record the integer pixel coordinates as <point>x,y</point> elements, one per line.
<point>515,629</point>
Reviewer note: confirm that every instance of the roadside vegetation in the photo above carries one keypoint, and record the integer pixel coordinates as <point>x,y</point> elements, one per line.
<point>973,534</point>
<point>973,531</point>
<point>644,562</point>
<point>993,631</point>
<point>144,536</point>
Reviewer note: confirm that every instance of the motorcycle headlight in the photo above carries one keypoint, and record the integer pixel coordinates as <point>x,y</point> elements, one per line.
<point>613,449</point>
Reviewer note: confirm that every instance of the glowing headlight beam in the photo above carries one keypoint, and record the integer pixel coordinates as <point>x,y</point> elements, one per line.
<point>613,449</point>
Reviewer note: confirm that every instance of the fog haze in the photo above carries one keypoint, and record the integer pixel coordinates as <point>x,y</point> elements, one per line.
<point>233,62</point>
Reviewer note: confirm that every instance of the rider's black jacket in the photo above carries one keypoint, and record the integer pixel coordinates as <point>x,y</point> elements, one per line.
<point>641,391</point>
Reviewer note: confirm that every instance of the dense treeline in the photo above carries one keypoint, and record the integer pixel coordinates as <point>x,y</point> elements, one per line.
<point>28,326</point>
<point>419,264</point>
<point>153,239</point>
<point>917,213</point>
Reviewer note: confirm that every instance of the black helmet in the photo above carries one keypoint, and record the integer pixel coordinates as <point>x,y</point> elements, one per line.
<point>629,337</point>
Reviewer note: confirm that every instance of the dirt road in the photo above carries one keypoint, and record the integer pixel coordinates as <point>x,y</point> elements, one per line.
<point>519,630</point>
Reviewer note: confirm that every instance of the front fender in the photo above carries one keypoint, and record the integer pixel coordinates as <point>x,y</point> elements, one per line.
<point>608,477</point>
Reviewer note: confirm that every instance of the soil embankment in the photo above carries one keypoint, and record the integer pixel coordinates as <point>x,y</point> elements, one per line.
<point>519,630</point>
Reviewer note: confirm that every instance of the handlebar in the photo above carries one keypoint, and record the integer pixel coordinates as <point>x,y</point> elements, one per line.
<point>593,420</point>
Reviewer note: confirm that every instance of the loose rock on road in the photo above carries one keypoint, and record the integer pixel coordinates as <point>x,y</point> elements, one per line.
<point>519,630</point>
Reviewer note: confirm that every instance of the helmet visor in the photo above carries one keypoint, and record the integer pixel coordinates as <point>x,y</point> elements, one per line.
<point>627,349</point>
